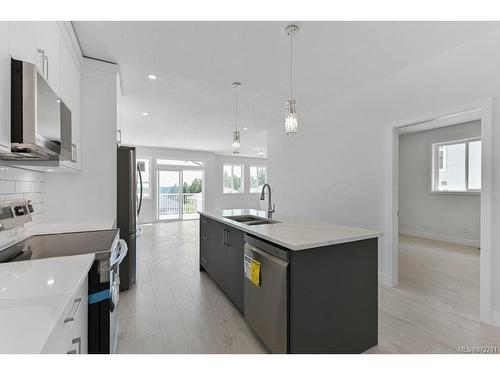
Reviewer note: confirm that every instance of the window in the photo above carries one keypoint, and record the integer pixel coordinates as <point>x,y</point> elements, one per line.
<point>232,179</point>
<point>457,166</point>
<point>144,167</point>
<point>257,178</point>
<point>182,163</point>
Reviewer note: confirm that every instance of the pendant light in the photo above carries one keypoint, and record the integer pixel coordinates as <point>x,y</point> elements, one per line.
<point>236,132</point>
<point>291,122</point>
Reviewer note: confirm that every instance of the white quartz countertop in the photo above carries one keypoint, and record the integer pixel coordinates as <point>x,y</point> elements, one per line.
<point>291,233</point>
<point>33,296</point>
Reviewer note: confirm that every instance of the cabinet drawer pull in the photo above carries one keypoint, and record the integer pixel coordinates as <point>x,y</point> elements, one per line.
<point>204,221</point>
<point>204,238</point>
<point>204,260</point>
<point>78,341</point>
<point>77,302</point>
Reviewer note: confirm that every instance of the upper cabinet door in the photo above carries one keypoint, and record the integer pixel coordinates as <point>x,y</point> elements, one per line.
<point>37,43</point>
<point>4,88</point>
<point>24,37</point>
<point>49,43</point>
<point>70,93</point>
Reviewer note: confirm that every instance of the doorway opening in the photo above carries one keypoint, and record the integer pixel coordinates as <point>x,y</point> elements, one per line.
<point>439,191</point>
<point>180,194</point>
<point>476,111</point>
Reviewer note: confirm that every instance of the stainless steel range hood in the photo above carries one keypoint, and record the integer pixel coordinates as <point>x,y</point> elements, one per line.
<point>40,121</point>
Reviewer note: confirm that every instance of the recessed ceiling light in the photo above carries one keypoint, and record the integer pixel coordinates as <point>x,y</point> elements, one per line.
<point>152,77</point>
<point>145,113</point>
<point>50,170</point>
<point>245,128</point>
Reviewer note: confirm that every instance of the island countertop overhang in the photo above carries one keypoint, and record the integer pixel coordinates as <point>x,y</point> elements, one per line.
<point>291,233</point>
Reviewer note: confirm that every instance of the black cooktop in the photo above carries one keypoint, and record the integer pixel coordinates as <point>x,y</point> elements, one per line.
<point>60,244</point>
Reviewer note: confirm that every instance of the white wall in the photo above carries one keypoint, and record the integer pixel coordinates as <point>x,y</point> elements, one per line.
<point>91,194</point>
<point>335,168</point>
<point>447,217</point>
<point>214,198</point>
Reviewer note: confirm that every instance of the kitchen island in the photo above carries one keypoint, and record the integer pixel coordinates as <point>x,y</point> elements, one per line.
<point>303,287</point>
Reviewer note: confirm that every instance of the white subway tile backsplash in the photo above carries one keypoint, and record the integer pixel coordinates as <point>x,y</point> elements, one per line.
<point>18,183</point>
<point>33,176</point>
<point>7,187</point>
<point>14,174</point>
<point>36,187</point>
<point>38,208</point>
<point>24,187</point>
<point>34,197</point>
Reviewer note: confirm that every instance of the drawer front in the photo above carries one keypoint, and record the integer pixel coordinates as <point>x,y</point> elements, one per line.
<point>204,225</point>
<point>70,333</point>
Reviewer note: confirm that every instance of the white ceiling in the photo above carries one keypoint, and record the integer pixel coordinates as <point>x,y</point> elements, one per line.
<point>191,105</point>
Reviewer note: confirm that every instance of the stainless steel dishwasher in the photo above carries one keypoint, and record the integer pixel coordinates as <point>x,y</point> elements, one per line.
<point>266,292</point>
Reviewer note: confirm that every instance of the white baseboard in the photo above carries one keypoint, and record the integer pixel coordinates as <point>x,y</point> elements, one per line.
<point>440,237</point>
<point>495,318</point>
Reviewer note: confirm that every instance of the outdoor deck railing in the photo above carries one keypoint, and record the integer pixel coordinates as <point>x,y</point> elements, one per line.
<point>169,203</point>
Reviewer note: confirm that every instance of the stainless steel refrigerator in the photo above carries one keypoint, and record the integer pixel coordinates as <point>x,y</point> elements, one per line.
<point>127,212</point>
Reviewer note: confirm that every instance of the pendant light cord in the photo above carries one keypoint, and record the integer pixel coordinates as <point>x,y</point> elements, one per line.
<point>236,88</point>
<point>291,64</point>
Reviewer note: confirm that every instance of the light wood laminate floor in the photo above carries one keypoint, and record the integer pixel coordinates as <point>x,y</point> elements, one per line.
<point>174,308</point>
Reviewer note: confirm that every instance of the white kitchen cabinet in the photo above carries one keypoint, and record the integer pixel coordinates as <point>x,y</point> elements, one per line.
<point>23,40</point>
<point>4,88</point>
<point>70,93</point>
<point>37,43</point>
<point>49,41</point>
<point>70,336</point>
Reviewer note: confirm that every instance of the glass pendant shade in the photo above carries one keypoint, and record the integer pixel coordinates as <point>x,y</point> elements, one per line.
<point>236,142</point>
<point>291,122</point>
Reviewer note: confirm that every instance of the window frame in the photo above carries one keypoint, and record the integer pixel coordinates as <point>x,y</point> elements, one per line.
<point>250,177</point>
<point>435,167</point>
<point>149,162</point>
<point>242,184</point>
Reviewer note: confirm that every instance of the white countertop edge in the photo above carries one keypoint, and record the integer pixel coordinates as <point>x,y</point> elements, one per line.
<point>248,229</point>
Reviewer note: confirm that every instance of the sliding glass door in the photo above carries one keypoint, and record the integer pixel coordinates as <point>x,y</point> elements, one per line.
<point>169,203</point>
<point>179,194</point>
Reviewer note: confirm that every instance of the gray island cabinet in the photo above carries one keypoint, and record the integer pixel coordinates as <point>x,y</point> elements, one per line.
<point>332,290</point>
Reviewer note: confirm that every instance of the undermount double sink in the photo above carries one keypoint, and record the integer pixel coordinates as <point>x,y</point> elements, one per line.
<point>251,220</point>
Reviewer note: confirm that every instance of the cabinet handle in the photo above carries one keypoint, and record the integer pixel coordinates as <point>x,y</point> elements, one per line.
<point>46,59</point>
<point>41,60</point>
<point>206,222</point>
<point>204,260</point>
<point>227,237</point>
<point>77,302</point>
<point>204,238</point>
<point>224,237</point>
<point>78,341</point>
<point>73,153</point>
